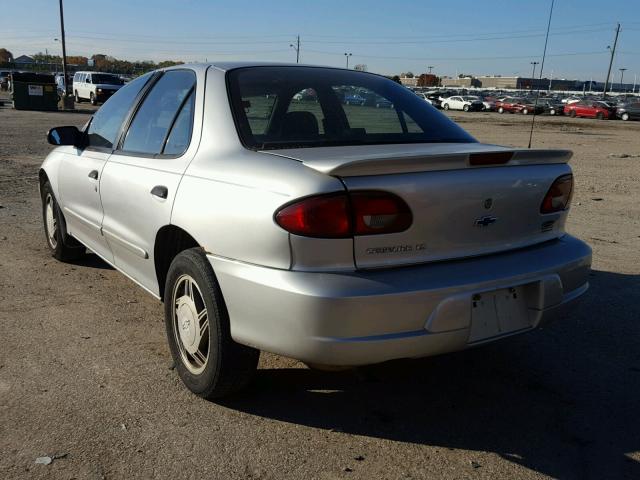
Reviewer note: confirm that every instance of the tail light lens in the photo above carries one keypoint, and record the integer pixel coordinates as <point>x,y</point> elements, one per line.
<point>558,197</point>
<point>343,215</point>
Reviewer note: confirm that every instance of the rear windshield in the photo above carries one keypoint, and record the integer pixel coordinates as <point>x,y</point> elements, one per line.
<point>105,79</point>
<point>296,107</point>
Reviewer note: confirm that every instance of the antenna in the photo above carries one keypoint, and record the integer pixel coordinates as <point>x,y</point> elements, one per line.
<point>544,55</point>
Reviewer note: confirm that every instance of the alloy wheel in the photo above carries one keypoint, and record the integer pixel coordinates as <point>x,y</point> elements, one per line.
<point>191,324</point>
<point>51,222</point>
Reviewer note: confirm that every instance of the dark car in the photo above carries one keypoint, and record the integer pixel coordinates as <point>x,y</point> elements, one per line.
<point>630,111</point>
<point>551,106</point>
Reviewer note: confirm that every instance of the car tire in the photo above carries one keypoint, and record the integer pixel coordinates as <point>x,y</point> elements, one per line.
<point>600,116</point>
<point>445,106</point>
<point>624,116</point>
<point>227,366</point>
<point>62,246</point>
<point>465,108</point>
<point>552,112</point>
<point>500,110</point>
<point>93,99</point>
<point>77,97</point>
<point>572,114</point>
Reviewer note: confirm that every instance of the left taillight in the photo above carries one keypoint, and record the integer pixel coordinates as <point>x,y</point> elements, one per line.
<point>558,197</point>
<point>343,215</point>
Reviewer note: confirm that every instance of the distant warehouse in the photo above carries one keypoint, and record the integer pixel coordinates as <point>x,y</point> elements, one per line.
<point>516,83</point>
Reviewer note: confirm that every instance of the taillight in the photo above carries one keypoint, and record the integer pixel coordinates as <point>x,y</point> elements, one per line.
<point>343,215</point>
<point>379,212</point>
<point>559,195</point>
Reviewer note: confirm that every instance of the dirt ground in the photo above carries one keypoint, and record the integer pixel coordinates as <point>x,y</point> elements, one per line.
<point>85,372</point>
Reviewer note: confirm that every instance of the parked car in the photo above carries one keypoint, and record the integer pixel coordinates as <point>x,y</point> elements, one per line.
<point>631,111</point>
<point>465,103</point>
<point>551,106</point>
<point>354,99</point>
<point>518,105</point>
<point>344,245</point>
<point>590,109</point>
<point>95,86</point>
<point>572,99</point>
<point>374,100</point>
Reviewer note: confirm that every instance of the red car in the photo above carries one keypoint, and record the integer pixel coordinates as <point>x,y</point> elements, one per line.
<point>517,105</point>
<point>590,109</point>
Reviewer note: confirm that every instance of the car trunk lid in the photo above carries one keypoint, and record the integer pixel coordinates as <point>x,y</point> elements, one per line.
<point>466,199</point>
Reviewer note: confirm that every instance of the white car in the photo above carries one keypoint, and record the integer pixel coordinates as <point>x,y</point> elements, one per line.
<point>313,230</point>
<point>95,87</point>
<point>466,103</point>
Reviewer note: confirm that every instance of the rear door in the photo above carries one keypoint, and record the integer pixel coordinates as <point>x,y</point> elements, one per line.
<point>81,171</point>
<point>141,179</point>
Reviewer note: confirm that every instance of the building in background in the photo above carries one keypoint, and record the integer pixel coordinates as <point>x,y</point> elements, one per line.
<point>460,82</point>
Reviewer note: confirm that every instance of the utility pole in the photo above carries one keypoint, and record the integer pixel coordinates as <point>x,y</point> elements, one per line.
<point>621,77</point>
<point>430,67</point>
<point>533,74</point>
<point>550,80</point>
<point>613,52</point>
<point>64,53</point>
<point>296,47</point>
<point>635,79</point>
<point>347,55</point>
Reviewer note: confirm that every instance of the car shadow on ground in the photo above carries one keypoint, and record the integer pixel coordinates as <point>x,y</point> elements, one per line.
<point>563,401</point>
<point>91,260</point>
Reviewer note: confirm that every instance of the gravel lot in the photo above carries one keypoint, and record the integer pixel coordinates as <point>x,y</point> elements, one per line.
<point>85,371</point>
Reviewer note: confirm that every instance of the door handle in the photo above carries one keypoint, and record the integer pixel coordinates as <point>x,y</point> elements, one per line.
<point>160,191</point>
<point>93,174</point>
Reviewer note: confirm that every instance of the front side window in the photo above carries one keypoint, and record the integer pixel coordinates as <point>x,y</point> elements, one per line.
<point>159,112</point>
<point>106,122</point>
<point>295,107</point>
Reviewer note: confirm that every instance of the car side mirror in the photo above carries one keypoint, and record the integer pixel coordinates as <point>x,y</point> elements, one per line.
<point>68,135</point>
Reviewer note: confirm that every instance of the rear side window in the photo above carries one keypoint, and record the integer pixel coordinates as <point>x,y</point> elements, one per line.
<point>180,135</point>
<point>106,122</point>
<point>297,107</point>
<point>159,112</point>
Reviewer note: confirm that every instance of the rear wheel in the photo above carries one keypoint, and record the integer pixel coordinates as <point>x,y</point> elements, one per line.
<point>465,108</point>
<point>625,116</point>
<point>77,99</point>
<point>93,99</point>
<point>600,116</point>
<point>61,245</point>
<point>525,111</point>
<point>207,359</point>
<point>552,111</point>
<point>445,106</point>
<point>572,114</point>
<point>500,110</point>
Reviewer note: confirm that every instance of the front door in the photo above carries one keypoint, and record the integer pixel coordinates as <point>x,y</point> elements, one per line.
<point>79,188</point>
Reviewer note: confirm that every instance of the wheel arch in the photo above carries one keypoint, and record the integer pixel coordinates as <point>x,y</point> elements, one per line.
<point>170,241</point>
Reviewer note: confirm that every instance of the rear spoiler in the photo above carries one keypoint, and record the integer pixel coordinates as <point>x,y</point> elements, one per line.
<point>438,162</point>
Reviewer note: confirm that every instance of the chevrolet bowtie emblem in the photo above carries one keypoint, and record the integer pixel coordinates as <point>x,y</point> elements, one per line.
<point>485,221</point>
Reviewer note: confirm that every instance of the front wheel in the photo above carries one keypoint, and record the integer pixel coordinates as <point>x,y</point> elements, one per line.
<point>93,99</point>
<point>445,106</point>
<point>500,110</point>
<point>572,114</point>
<point>77,97</point>
<point>625,116</point>
<point>465,108</point>
<point>207,359</point>
<point>61,245</point>
<point>600,116</point>
<point>552,112</point>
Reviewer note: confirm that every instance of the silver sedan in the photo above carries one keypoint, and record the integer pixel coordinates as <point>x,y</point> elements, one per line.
<point>332,233</point>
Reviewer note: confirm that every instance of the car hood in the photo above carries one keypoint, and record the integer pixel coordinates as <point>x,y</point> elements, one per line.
<point>108,86</point>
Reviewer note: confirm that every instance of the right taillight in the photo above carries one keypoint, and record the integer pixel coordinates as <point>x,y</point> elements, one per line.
<point>558,197</point>
<point>344,215</point>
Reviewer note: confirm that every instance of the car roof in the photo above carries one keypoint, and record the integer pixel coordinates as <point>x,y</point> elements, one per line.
<point>225,66</point>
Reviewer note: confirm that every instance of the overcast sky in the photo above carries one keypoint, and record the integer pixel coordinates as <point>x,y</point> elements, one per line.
<point>462,36</point>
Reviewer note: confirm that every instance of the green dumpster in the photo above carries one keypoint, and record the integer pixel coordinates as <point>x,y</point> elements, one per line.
<point>34,91</point>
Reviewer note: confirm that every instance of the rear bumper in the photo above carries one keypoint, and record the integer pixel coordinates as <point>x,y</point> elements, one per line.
<point>356,318</point>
